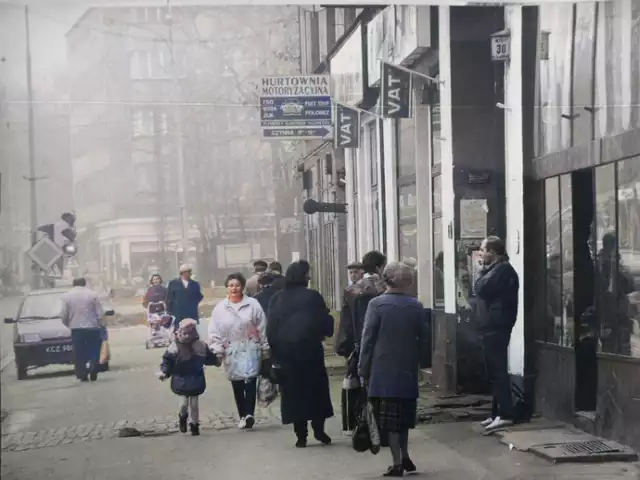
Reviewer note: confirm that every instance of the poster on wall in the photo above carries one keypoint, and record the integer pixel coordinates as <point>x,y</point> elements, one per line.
<point>395,95</point>
<point>473,218</point>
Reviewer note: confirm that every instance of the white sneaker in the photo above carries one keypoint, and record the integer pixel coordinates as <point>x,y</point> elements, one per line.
<point>487,422</point>
<point>347,433</point>
<point>249,422</point>
<point>499,423</point>
<point>242,423</point>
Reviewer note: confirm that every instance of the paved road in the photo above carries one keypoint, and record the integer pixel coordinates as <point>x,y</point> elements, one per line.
<point>59,428</point>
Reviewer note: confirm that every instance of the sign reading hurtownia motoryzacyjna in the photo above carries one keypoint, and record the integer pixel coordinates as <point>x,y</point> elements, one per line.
<point>296,106</point>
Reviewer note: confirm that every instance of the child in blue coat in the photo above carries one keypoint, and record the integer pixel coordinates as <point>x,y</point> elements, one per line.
<point>184,363</point>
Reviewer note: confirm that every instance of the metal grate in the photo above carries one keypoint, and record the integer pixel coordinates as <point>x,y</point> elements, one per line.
<point>588,448</point>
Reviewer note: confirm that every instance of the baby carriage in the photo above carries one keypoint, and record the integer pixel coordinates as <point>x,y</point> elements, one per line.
<point>160,325</point>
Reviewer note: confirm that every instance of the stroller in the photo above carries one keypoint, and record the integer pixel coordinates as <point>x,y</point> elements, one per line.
<point>160,325</point>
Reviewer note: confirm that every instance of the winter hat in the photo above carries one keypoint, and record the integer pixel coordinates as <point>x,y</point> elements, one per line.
<point>187,331</point>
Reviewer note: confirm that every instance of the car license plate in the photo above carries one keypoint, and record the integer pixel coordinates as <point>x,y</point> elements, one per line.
<point>59,348</point>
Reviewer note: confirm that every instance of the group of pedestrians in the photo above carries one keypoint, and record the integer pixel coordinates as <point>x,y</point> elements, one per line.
<point>277,320</point>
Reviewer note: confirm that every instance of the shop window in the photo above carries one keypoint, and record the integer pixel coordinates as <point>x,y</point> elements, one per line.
<point>566,223</point>
<point>629,256</point>
<point>552,331</point>
<point>554,80</point>
<point>617,67</point>
<point>438,242</point>
<point>436,155</point>
<point>408,224</point>
<point>583,73</point>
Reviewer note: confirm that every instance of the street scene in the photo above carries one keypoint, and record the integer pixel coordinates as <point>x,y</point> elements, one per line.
<point>320,240</point>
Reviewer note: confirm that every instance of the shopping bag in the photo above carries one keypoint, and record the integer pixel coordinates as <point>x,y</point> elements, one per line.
<point>104,353</point>
<point>267,392</point>
<point>366,435</point>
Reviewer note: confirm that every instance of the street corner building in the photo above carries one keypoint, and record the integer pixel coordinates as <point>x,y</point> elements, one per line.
<point>454,123</point>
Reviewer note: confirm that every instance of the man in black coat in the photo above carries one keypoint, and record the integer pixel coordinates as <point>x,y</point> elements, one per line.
<point>354,307</point>
<point>268,288</point>
<point>184,296</point>
<point>497,291</point>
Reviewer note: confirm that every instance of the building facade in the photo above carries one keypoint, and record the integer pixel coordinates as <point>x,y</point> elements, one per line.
<point>517,113</point>
<point>166,97</point>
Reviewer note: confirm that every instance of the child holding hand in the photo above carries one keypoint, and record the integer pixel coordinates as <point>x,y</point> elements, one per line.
<point>184,363</point>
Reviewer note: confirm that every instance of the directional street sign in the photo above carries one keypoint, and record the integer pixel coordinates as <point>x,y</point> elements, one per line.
<point>296,107</point>
<point>304,133</point>
<point>45,253</point>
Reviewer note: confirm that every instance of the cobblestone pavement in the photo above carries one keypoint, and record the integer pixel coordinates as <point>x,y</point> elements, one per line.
<point>58,428</point>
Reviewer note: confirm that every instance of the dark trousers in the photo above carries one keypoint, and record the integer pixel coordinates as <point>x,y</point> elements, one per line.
<point>244,393</point>
<point>302,428</point>
<point>350,406</point>
<point>496,351</point>
<point>86,350</point>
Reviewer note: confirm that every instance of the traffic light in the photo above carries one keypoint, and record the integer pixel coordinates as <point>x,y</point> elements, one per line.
<point>68,234</point>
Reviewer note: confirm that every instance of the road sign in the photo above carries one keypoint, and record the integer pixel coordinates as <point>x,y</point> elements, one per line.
<point>296,106</point>
<point>45,253</point>
<point>306,133</point>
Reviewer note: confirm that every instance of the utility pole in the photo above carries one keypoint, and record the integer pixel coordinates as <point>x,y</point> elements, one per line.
<point>35,278</point>
<point>178,117</point>
<point>161,192</point>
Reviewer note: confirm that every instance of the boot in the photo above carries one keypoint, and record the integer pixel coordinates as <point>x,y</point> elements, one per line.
<point>394,471</point>
<point>195,429</point>
<point>182,423</point>
<point>408,465</point>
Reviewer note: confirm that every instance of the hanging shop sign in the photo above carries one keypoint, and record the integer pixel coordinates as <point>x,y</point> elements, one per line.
<point>399,35</point>
<point>296,106</point>
<point>395,92</point>
<point>347,127</point>
<point>346,67</point>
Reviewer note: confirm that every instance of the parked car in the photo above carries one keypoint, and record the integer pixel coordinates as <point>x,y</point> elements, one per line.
<point>39,336</point>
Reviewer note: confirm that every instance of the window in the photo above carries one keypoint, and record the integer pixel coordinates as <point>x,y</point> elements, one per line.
<point>626,334</point>
<point>372,135</point>
<point>566,223</point>
<point>436,192</point>
<point>406,182</point>
<point>151,64</point>
<point>553,300</point>
<point>356,217</point>
<point>143,123</point>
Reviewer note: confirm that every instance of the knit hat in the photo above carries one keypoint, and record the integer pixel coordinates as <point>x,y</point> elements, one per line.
<point>187,331</point>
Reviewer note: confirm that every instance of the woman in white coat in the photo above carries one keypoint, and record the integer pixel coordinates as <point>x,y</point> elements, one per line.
<point>237,334</point>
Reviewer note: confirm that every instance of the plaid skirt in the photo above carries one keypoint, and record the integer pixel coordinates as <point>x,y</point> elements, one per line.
<point>395,414</point>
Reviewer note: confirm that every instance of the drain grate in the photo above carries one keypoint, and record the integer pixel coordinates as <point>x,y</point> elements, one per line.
<point>588,448</point>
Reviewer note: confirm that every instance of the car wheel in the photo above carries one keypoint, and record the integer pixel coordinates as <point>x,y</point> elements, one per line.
<point>21,371</point>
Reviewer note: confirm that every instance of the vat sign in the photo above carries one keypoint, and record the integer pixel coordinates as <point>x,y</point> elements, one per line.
<point>395,96</point>
<point>296,106</point>
<point>347,125</point>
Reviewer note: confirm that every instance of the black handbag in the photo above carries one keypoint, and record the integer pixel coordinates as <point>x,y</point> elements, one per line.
<point>270,371</point>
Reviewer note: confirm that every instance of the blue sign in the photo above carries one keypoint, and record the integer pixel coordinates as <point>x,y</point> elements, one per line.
<point>295,111</point>
<point>298,132</point>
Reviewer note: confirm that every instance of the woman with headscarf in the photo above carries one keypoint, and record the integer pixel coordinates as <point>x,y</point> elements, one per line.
<point>237,336</point>
<point>393,341</point>
<point>299,321</point>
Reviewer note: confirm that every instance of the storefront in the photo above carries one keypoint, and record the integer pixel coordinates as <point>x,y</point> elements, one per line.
<point>582,247</point>
<point>404,35</point>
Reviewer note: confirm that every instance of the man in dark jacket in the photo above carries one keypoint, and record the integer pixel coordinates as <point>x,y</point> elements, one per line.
<point>497,290</point>
<point>184,296</point>
<point>268,288</point>
<point>354,307</point>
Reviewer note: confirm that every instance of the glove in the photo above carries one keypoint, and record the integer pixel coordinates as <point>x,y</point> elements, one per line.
<point>161,376</point>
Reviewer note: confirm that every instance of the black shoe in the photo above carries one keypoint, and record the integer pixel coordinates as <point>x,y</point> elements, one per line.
<point>182,423</point>
<point>408,465</point>
<point>249,422</point>
<point>195,429</point>
<point>84,379</point>
<point>394,471</point>
<point>323,438</point>
<point>93,376</point>
<point>301,443</point>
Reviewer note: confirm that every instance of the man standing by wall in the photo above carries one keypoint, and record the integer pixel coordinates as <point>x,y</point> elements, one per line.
<point>82,314</point>
<point>252,288</point>
<point>184,296</point>
<point>497,290</point>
